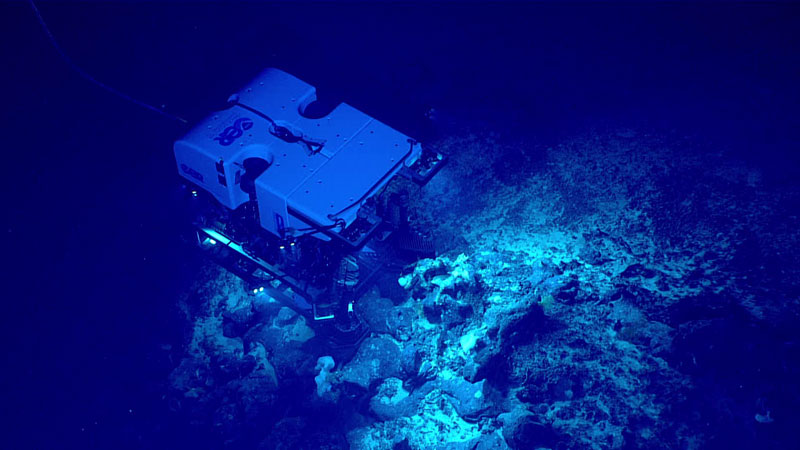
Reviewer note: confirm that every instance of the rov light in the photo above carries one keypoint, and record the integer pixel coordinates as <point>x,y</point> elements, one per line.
<point>194,193</point>
<point>261,289</point>
<point>255,291</point>
<point>211,241</point>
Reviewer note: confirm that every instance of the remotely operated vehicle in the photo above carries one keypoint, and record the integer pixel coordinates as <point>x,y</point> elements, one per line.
<point>307,207</point>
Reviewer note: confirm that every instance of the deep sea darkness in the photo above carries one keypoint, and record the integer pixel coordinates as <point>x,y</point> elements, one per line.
<point>93,260</point>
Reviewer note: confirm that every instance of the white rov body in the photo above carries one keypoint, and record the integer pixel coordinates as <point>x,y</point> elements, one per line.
<point>318,170</point>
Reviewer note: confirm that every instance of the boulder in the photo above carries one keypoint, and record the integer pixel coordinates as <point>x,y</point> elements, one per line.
<point>376,359</point>
<point>284,347</point>
<point>492,441</point>
<point>522,431</point>
<point>399,322</point>
<point>236,322</point>
<point>393,401</point>
<point>374,312</point>
<point>469,399</point>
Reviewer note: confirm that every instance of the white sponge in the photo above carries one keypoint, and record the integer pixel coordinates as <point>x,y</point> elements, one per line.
<point>324,364</point>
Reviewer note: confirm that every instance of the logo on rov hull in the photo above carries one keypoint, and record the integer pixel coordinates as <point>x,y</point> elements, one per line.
<point>234,131</point>
<point>193,173</point>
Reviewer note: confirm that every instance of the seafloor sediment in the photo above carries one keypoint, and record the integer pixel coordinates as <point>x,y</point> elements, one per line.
<point>621,289</point>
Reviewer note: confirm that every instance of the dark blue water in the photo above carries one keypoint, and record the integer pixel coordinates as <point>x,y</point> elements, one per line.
<point>93,258</point>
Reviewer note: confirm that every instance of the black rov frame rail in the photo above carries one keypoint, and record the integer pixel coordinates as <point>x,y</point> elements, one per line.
<point>262,276</point>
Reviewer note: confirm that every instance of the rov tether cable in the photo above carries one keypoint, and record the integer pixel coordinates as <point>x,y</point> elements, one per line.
<point>92,79</point>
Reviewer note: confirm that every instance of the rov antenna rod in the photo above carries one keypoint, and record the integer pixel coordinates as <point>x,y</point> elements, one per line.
<point>92,79</point>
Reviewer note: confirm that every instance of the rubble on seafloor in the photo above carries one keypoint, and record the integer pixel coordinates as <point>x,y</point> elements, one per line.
<point>549,321</point>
